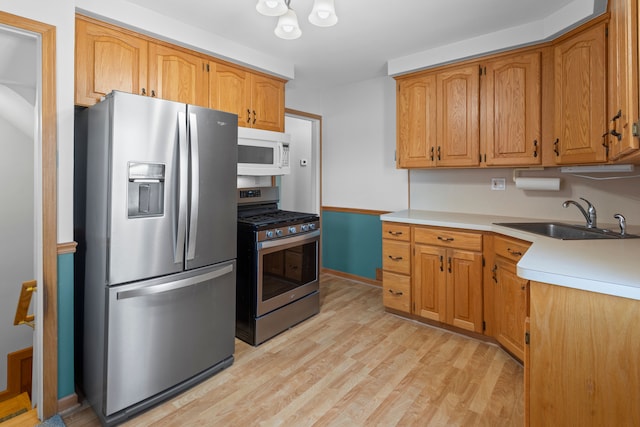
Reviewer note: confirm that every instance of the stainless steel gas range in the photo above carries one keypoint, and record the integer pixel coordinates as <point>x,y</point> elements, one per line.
<point>278,257</point>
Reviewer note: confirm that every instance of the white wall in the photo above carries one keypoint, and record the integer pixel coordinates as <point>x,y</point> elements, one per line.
<point>469,190</point>
<point>358,146</point>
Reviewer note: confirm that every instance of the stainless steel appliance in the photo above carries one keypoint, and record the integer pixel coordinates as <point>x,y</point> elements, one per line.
<point>160,250</point>
<point>278,256</point>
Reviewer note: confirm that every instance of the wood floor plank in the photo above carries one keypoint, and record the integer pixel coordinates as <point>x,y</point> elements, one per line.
<point>352,364</point>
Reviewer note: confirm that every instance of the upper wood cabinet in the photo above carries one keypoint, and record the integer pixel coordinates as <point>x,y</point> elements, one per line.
<point>458,115</point>
<point>580,97</point>
<point>416,121</point>
<point>177,75</point>
<point>258,100</point>
<point>109,58</point>
<point>106,60</point>
<point>438,117</point>
<point>623,78</point>
<point>511,105</point>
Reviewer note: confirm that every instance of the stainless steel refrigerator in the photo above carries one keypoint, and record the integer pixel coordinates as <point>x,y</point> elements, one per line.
<point>160,232</point>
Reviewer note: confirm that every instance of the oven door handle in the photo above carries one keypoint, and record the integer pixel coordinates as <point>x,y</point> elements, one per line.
<point>287,240</point>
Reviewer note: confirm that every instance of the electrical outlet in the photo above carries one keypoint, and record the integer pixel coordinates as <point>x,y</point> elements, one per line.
<point>498,183</point>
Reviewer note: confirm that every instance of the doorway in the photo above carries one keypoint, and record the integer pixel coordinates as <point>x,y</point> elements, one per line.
<point>300,191</point>
<point>28,115</point>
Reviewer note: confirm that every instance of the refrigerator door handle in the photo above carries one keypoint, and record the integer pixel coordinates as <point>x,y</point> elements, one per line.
<point>182,187</point>
<point>195,187</point>
<point>172,286</point>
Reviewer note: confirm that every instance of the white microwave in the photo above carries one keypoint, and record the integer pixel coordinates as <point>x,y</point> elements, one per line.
<point>262,152</point>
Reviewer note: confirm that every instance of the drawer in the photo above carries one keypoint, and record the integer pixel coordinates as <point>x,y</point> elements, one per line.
<point>396,231</point>
<point>396,256</point>
<point>509,248</point>
<point>448,238</point>
<point>396,290</point>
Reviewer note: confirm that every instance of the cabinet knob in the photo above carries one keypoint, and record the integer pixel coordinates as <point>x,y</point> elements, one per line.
<point>248,116</point>
<point>144,92</point>
<point>254,117</point>
<point>555,146</point>
<point>153,93</point>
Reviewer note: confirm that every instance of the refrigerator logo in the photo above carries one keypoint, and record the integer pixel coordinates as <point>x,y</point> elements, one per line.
<point>222,123</point>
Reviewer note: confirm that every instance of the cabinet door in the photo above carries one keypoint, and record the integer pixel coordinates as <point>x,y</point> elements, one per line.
<point>458,131</point>
<point>512,102</point>
<point>623,76</point>
<point>177,76</point>
<point>510,306</point>
<point>267,103</point>
<point>107,60</point>
<point>430,277</point>
<point>230,90</point>
<point>464,289</point>
<point>580,97</point>
<point>416,122</point>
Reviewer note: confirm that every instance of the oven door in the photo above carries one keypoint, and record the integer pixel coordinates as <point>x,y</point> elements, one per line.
<point>287,270</point>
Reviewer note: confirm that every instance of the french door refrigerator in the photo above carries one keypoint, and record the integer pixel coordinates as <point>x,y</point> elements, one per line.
<point>160,232</point>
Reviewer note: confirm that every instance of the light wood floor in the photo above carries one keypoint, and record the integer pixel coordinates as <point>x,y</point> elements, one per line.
<point>351,365</point>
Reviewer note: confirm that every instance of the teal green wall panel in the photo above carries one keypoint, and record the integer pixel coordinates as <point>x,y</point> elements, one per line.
<point>352,243</point>
<point>66,380</point>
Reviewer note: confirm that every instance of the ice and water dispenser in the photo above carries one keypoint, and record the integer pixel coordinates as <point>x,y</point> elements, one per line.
<point>146,189</point>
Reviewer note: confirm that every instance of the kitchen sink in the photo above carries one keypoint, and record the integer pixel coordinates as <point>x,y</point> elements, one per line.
<point>562,231</point>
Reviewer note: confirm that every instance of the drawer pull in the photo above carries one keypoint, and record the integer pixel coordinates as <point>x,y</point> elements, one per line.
<point>395,258</point>
<point>396,293</point>
<point>395,233</point>
<point>449,264</point>
<point>494,275</point>
<point>514,253</point>
<point>445,239</point>
<point>441,263</point>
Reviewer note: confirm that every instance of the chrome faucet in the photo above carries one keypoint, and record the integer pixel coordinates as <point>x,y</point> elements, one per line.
<point>589,214</point>
<point>623,223</point>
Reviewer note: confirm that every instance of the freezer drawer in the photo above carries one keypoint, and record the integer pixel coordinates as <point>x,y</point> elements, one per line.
<point>164,331</point>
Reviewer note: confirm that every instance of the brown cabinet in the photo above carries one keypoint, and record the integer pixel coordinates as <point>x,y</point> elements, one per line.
<point>583,359</point>
<point>111,58</point>
<point>623,78</point>
<point>510,295</point>
<point>511,107</point>
<point>447,277</point>
<point>107,60</point>
<point>396,265</point>
<point>416,121</point>
<point>177,76</point>
<point>258,100</point>
<point>438,117</point>
<point>580,97</point>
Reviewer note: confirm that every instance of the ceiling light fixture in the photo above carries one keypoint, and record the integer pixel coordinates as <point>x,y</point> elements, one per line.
<point>323,14</point>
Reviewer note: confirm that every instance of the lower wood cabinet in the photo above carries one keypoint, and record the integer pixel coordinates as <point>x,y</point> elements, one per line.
<point>583,355</point>
<point>396,266</point>
<point>447,277</point>
<point>510,295</point>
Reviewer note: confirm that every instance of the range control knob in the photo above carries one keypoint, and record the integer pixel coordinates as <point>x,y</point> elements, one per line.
<point>292,230</point>
<point>304,227</point>
<point>269,234</point>
<point>312,226</point>
<point>278,232</point>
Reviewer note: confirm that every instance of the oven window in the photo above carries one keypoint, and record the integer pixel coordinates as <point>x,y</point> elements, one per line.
<point>255,155</point>
<point>287,269</point>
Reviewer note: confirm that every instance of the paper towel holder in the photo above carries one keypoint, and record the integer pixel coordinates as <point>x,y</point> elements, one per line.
<point>516,171</point>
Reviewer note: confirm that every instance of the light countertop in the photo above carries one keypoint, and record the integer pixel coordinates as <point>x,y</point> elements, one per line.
<point>609,267</point>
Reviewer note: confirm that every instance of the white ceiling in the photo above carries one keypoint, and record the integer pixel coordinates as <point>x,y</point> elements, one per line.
<point>368,33</point>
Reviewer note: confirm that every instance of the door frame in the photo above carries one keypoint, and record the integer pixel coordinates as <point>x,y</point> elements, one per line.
<point>47,297</point>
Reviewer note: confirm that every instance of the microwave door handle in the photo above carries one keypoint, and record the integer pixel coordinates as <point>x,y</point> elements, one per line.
<point>280,155</point>
<point>183,165</point>
<point>195,187</point>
